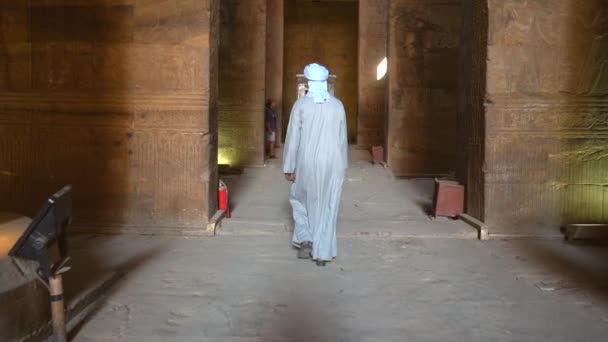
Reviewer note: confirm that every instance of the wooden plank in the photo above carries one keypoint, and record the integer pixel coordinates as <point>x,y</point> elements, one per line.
<point>215,222</point>
<point>482,229</point>
<point>585,232</point>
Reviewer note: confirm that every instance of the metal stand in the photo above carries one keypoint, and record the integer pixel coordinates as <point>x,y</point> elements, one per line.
<point>57,307</point>
<point>46,231</point>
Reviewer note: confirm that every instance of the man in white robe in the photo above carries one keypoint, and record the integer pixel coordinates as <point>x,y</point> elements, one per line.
<point>315,160</point>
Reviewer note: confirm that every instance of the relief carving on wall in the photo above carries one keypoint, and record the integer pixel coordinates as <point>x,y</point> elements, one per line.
<point>593,77</point>
<point>521,33</point>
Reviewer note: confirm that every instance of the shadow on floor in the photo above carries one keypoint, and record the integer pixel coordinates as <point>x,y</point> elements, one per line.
<point>565,267</point>
<point>92,265</point>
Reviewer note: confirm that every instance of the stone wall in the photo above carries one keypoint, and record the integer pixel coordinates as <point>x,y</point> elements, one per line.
<point>114,98</point>
<point>373,40</point>
<point>546,113</point>
<point>326,33</point>
<point>242,77</point>
<point>424,41</point>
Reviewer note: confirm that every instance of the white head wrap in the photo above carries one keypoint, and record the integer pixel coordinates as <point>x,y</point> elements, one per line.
<point>317,82</point>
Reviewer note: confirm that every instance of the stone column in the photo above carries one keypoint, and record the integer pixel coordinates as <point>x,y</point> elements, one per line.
<point>471,112</point>
<point>242,78</point>
<point>424,41</point>
<point>275,19</point>
<point>115,98</point>
<point>546,114</point>
<point>373,36</point>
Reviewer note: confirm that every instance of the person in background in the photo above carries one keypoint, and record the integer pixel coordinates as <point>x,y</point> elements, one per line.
<point>271,127</point>
<point>315,160</point>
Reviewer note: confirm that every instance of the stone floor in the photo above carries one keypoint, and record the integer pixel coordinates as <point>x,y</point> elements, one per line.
<point>373,203</point>
<point>399,277</point>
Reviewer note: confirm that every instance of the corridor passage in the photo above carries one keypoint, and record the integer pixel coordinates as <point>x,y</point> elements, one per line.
<point>374,203</point>
<point>399,276</point>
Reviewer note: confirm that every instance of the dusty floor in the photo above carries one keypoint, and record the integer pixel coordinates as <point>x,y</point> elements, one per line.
<point>374,203</point>
<point>399,277</point>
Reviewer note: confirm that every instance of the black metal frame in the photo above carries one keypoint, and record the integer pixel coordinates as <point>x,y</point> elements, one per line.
<point>47,228</point>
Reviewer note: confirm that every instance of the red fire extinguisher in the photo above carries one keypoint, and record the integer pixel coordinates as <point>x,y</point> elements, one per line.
<point>222,198</point>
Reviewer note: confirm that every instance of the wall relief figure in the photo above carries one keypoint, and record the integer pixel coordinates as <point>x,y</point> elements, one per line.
<point>593,78</point>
